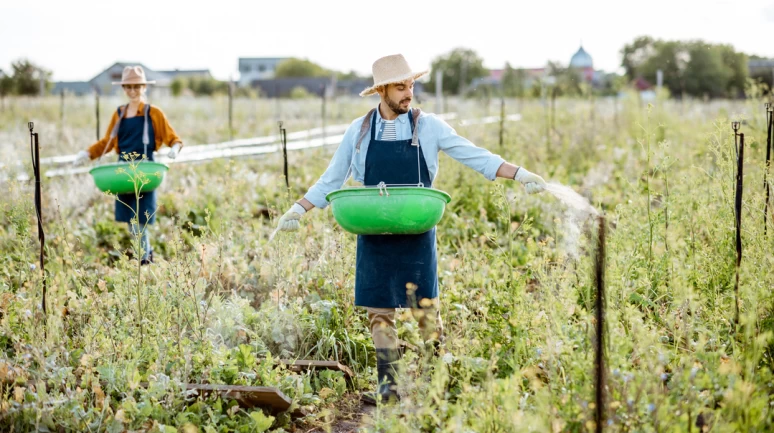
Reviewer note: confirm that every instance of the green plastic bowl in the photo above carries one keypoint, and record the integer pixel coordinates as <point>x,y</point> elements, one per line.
<point>117,178</point>
<point>405,211</point>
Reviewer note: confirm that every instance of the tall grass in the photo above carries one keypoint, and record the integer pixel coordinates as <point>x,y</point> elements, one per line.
<point>223,304</point>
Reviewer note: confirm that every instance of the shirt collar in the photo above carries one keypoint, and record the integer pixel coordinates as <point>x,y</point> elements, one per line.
<point>141,109</point>
<point>402,118</point>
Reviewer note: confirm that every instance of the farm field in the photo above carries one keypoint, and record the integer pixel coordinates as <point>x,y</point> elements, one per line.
<point>224,305</point>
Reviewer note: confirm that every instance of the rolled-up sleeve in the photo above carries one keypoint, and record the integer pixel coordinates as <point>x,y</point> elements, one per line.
<point>462,150</point>
<point>163,131</point>
<point>337,172</point>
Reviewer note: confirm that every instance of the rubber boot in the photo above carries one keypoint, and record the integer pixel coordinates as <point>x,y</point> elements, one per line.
<point>386,369</point>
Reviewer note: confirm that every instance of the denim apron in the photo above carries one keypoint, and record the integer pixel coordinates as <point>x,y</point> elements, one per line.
<point>395,271</point>
<point>130,139</point>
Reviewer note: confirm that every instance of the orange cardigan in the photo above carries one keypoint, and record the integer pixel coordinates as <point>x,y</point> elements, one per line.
<point>161,129</point>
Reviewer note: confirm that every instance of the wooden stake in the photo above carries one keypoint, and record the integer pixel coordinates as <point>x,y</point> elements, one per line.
<point>599,364</point>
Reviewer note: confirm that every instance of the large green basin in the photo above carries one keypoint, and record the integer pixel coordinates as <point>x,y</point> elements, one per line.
<point>399,210</point>
<point>119,177</point>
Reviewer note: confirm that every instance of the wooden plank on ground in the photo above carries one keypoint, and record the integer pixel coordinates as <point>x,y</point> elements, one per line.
<point>306,364</point>
<point>246,396</point>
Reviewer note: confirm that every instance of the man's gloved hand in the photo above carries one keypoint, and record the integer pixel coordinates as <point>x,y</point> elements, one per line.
<point>174,151</point>
<point>81,158</point>
<point>532,182</point>
<point>289,221</point>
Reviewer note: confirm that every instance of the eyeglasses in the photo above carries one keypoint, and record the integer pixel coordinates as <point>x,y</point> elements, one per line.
<point>133,86</point>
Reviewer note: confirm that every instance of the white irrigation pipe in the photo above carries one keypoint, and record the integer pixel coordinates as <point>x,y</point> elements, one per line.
<point>246,146</point>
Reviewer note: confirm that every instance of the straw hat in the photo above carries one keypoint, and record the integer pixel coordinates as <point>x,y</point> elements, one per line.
<point>390,70</point>
<point>133,75</point>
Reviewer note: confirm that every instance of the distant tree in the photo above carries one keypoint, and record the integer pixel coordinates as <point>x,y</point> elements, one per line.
<point>351,75</point>
<point>459,67</point>
<point>26,78</point>
<point>300,68</point>
<point>738,64</point>
<point>206,86</point>
<point>6,86</point>
<point>612,84</point>
<point>246,92</point>
<point>177,86</point>
<point>693,68</point>
<point>636,54</point>
<point>705,73</point>
<point>513,81</point>
<point>300,92</point>
<point>567,81</point>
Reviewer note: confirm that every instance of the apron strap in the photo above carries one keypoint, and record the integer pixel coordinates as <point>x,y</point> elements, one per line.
<point>415,112</point>
<point>414,136</point>
<point>364,128</point>
<point>145,138</point>
<point>114,132</point>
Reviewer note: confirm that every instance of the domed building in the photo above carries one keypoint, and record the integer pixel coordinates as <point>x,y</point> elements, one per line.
<point>581,59</point>
<point>583,62</point>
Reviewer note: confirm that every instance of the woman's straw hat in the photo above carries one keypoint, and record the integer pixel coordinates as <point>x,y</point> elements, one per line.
<point>133,75</point>
<point>390,70</point>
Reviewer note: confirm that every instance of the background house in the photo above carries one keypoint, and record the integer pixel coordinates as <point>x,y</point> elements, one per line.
<point>187,73</point>
<point>257,68</point>
<point>102,82</point>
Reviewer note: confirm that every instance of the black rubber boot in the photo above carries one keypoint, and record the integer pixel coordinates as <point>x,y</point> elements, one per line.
<point>386,369</point>
<point>148,260</point>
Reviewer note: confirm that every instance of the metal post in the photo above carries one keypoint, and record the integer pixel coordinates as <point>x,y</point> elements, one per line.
<point>659,79</point>
<point>324,91</point>
<point>438,90</point>
<point>738,212</point>
<point>735,126</point>
<point>61,108</point>
<point>284,140</point>
<point>770,129</point>
<point>230,109</point>
<point>278,110</point>
<point>35,151</point>
<point>502,118</point>
<point>463,78</point>
<point>96,111</point>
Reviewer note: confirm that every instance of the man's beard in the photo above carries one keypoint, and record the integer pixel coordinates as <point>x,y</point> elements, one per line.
<point>395,106</point>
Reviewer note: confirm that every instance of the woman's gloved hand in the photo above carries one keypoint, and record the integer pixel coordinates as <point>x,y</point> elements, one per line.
<point>174,151</point>
<point>81,158</point>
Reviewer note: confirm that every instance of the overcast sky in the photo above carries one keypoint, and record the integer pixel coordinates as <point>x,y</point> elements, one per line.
<point>76,39</point>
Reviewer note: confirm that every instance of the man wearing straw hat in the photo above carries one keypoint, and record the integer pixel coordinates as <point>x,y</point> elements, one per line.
<point>136,128</point>
<point>398,271</point>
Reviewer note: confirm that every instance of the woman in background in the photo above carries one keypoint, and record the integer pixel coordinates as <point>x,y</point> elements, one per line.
<point>136,131</point>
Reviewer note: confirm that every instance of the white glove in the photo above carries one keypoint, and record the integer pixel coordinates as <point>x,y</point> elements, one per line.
<point>532,182</point>
<point>174,151</point>
<point>81,158</point>
<point>289,221</point>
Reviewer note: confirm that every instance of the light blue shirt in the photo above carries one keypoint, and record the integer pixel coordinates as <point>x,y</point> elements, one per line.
<point>434,135</point>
